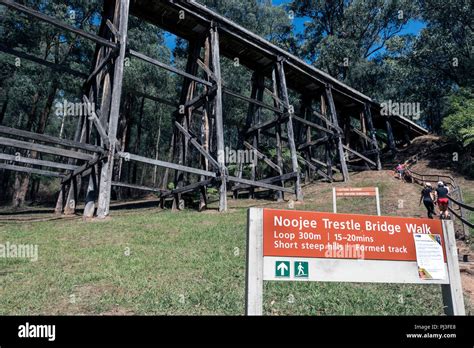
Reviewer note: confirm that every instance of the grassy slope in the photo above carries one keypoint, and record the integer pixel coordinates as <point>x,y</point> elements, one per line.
<point>187,263</point>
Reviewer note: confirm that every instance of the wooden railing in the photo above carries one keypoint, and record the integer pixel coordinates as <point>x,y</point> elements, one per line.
<point>455,196</point>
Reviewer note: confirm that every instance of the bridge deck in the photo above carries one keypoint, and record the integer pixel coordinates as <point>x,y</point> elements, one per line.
<point>257,53</point>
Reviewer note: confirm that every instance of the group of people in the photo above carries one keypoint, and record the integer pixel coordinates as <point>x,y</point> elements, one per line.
<point>429,195</point>
<point>439,196</point>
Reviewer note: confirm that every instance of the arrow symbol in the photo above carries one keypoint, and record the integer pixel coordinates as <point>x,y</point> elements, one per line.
<point>282,267</point>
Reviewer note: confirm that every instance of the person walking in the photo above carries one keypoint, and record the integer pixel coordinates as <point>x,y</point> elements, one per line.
<point>442,200</point>
<point>400,170</point>
<point>427,198</point>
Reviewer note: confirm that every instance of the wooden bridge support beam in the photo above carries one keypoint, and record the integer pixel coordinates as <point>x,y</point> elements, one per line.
<point>253,117</point>
<point>340,148</point>
<point>256,118</point>
<point>183,118</point>
<point>107,168</point>
<point>390,137</point>
<point>206,123</point>
<point>280,70</point>
<point>100,82</point>
<point>242,134</point>
<point>305,133</point>
<point>96,82</point>
<point>371,130</point>
<point>218,117</point>
<point>277,95</point>
<point>329,144</point>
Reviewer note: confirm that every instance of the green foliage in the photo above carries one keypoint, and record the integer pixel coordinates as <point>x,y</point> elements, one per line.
<point>258,16</point>
<point>467,136</point>
<point>212,191</point>
<point>342,35</point>
<point>25,85</point>
<point>459,124</point>
<point>363,44</point>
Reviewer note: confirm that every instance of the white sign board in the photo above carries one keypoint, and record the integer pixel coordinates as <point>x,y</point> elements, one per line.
<point>429,256</point>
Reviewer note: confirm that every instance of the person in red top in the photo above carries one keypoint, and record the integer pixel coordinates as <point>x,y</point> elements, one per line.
<point>442,200</point>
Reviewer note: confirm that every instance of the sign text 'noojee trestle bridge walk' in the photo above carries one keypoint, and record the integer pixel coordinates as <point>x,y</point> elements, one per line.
<point>291,245</point>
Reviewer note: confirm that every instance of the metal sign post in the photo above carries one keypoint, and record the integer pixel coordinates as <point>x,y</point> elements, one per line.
<point>289,245</point>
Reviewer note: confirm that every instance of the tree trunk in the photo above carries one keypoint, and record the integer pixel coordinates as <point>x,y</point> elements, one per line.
<point>4,109</point>
<point>170,158</point>
<point>40,130</point>
<point>19,188</point>
<point>138,141</point>
<point>157,152</point>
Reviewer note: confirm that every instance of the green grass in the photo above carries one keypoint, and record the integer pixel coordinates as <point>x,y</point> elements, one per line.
<point>179,263</point>
<point>468,196</point>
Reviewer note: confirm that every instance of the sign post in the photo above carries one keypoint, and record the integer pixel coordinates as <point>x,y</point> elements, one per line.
<point>452,293</point>
<point>289,245</point>
<point>355,192</point>
<point>254,293</point>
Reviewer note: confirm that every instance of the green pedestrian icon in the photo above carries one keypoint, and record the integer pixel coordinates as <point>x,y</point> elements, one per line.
<point>282,269</point>
<point>301,269</point>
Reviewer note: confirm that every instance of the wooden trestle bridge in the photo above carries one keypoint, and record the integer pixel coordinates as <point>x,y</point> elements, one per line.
<point>334,128</point>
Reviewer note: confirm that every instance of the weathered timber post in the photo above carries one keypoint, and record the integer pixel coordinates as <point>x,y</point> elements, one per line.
<point>91,194</point>
<point>219,123</point>
<point>370,125</point>
<point>390,137</point>
<point>205,123</point>
<point>289,125</point>
<point>71,199</point>
<point>183,116</point>
<point>107,168</point>
<point>61,199</point>
<point>276,94</point>
<point>66,202</point>
<point>253,117</point>
<point>111,13</point>
<point>328,144</point>
<point>335,122</point>
<point>260,84</point>
<point>306,112</point>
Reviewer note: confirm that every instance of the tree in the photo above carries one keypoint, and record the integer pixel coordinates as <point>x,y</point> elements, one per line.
<point>342,36</point>
<point>31,89</point>
<point>458,125</point>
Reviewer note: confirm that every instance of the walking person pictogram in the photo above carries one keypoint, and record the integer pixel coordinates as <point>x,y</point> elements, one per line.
<point>301,269</point>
